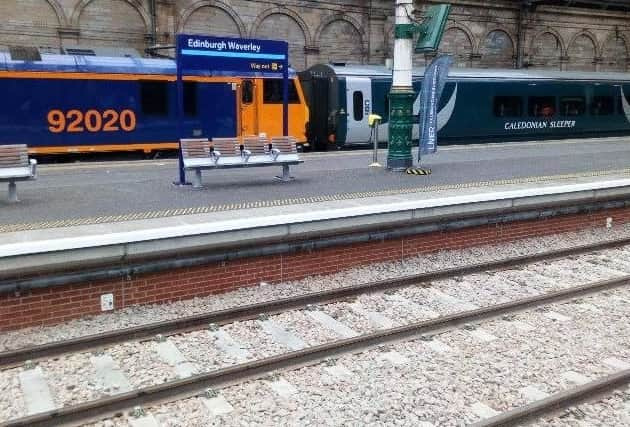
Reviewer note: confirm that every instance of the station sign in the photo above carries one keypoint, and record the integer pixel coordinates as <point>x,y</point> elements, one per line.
<point>226,55</point>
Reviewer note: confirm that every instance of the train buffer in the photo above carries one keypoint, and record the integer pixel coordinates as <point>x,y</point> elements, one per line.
<point>16,166</point>
<point>232,153</point>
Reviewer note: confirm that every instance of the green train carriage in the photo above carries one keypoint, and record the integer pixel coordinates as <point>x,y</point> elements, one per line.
<point>477,105</point>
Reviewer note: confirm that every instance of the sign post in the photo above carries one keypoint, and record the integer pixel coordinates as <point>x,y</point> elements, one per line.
<point>229,57</point>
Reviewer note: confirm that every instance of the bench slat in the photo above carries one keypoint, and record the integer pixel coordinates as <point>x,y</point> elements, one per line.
<point>14,155</point>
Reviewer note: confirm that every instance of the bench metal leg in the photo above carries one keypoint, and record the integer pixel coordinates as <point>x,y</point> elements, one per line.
<point>13,192</point>
<point>197,179</point>
<point>286,176</point>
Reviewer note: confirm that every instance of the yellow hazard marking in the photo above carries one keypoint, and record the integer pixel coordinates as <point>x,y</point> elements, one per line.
<point>418,171</point>
<point>71,222</point>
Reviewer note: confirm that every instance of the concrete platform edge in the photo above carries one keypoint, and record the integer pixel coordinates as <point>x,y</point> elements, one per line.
<point>91,250</point>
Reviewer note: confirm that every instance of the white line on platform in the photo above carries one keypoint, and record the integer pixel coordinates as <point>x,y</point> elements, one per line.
<point>282,336</point>
<point>217,405</point>
<point>227,344</point>
<point>170,354</point>
<point>285,221</point>
<point>146,421</point>
<point>332,324</point>
<point>113,378</point>
<point>37,396</point>
<point>377,320</point>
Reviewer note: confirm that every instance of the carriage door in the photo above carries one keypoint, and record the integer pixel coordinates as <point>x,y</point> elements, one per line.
<point>249,108</point>
<point>359,101</point>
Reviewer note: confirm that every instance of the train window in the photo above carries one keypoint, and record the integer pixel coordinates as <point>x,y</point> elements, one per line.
<point>508,106</point>
<point>272,92</point>
<point>190,98</point>
<point>572,106</point>
<point>247,92</point>
<point>602,106</point>
<point>542,106</point>
<point>357,105</point>
<point>154,98</point>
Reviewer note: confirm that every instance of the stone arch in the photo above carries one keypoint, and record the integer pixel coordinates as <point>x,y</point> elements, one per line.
<point>582,52</point>
<point>614,53</point>
<point>341,39</point>
<point>283,11</point>
<point>125,24</point>
<point>61,15</point>
<point>497,49</point>
<point>459,42</point>
<point>284,24</point>
<point>556,34</point>
<point>340,17</point>
<point>225,8</point>
<point>546,50</point>
<point>80,7</point>
<point>32,23</point>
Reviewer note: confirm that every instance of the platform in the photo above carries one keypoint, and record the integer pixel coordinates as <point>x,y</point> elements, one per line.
<point>122,230</point>
<point>94,193</point>
<point>467,180</point>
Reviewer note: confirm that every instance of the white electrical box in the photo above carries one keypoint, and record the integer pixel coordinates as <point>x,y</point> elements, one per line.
<point>107,302</point>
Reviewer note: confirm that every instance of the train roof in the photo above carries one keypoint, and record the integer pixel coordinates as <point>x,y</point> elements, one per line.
<point>103,64</point>
<point>483,74</point>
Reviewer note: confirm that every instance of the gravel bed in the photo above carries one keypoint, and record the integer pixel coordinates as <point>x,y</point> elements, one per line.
<point>137,315</point>
<point>141,364</point>
<point>305,327</point>
<point>253,338</point>
<point>71,379</point>
<point>11,405</point>
<point>199,348</point>
<point>437,387</point>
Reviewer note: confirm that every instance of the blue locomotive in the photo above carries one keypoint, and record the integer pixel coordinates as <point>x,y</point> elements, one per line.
<point>64,103</point>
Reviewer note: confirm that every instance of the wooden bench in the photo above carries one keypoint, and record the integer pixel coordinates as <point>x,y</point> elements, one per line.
<point>16,166</point>
<point>231,153</point>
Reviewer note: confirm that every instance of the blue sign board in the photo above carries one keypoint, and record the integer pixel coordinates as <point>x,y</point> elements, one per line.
<point>226,56</point>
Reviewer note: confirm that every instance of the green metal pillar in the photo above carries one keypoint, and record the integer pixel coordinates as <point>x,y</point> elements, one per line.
<point>401,96</point>
<point>400,128</point>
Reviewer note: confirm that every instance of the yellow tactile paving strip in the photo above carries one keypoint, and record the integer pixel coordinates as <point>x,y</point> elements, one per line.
<point>71,222</point>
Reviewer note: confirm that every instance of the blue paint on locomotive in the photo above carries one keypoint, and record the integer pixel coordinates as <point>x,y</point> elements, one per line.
<point>24,113</point>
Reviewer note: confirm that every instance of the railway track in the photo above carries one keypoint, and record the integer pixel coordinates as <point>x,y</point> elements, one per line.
<point>191,384</point>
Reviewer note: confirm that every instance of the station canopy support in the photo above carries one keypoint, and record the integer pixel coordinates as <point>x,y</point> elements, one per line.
<point>402,95</point>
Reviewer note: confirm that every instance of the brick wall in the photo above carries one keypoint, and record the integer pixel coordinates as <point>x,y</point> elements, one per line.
<point>54,305</point>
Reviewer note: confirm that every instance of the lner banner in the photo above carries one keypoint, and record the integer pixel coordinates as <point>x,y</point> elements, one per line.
<point>225,54</point>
